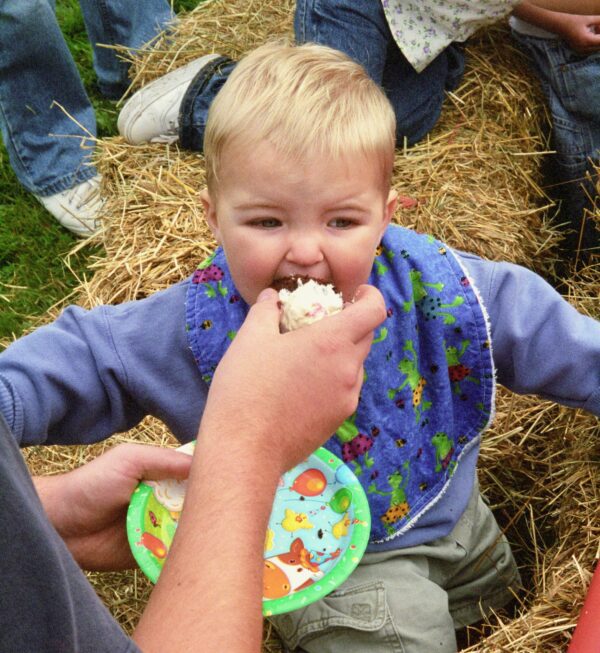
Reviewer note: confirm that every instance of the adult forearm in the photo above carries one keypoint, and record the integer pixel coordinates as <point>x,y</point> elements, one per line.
<point>579,32</point>
<point>587,7</point>
<point>266,411</point>
<point>209,595</point>
<point>553,21</point>
<point>548,20</point>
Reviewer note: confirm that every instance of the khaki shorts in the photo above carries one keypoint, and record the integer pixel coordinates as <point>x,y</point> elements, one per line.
<point>412,600</point>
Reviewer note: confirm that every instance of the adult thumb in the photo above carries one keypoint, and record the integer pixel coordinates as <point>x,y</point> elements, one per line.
<point>266,311</point>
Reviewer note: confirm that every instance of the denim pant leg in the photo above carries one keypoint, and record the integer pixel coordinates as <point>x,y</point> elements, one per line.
<point>360,29</point>
<point>196,102</point>
<point>571,84</point>
<point>121,22</point>
<point>37,70</point>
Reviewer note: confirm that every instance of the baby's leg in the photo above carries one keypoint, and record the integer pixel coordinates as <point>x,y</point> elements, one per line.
<point>483,575</point>
<point>388,605</point>
<point>411,600</point>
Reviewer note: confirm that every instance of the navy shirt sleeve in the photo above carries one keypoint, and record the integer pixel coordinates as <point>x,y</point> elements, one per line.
<point>541,344</point>
<point>46,602</point>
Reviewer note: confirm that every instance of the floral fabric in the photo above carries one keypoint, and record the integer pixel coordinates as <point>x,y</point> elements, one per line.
<point>423,28</point>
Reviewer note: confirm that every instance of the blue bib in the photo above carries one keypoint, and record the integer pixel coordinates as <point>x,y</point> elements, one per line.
<point>429,378</point>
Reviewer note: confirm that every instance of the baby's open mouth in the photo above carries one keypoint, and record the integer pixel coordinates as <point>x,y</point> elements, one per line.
<point>291,282</point>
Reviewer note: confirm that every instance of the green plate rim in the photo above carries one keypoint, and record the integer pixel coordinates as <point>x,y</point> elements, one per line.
<point>347,563</point>
<point>135,516</point>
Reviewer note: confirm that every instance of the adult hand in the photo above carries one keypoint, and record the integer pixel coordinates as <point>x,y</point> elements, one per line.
<point>582,33</point>
<point>88,505</point>
<point>306,381</point>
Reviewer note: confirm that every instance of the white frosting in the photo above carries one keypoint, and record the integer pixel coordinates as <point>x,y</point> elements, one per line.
<point>308,303</point>
<point>170,492</point>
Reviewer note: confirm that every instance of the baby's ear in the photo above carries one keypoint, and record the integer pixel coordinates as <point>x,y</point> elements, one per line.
<point>390,208</point>
<point>210,212</point>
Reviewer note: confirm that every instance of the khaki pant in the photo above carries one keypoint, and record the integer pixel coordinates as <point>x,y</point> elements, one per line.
<point>412,600</point>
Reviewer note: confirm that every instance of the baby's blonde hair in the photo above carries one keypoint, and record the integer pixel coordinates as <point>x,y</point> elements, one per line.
<point>303,100</point>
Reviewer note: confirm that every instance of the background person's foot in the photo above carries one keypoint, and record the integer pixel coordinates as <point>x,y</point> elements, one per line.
<point>77,209</point>
<point>152,113</point>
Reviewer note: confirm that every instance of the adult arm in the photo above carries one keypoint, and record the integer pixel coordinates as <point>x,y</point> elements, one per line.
<point>582,33</point>
<point>274,399</point>
<point>541,344</point>
<point>587,7</point>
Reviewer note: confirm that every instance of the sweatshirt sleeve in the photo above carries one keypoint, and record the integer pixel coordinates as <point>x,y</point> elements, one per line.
<point>541,344</point>
<point>94,373</point>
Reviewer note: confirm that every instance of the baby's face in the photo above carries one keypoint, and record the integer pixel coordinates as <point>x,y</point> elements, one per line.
<point>275,218</point>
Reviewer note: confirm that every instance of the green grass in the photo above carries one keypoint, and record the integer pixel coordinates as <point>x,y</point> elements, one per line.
<point>33,274</point>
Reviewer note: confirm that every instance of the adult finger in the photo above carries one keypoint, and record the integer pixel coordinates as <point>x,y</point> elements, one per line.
<point>364,346</point>
<point>266,311</point>
<point>147,462</point>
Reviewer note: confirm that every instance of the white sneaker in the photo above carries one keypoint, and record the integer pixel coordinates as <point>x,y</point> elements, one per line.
<point>152,113</point>
<point>78,208</point>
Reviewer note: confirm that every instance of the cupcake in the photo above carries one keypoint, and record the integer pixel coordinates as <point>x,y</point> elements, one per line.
<point>305,300</point>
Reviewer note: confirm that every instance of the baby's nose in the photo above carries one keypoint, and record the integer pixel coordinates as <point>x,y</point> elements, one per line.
<point>305,250</point>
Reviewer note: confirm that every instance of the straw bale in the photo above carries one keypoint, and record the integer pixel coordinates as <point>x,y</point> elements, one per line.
<point>475,182</point>
<point>215,26</point>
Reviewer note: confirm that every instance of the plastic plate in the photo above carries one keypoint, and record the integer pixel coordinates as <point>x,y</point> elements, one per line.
<point>318,530</point>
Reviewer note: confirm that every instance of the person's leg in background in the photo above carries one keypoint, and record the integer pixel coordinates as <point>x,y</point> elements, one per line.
<point>175,107</point>
<point>571,84</point>
<point>47,121</point>
<point>576,138</point>
<point>121,22</point>
<point>48,152</point>
<point>360,29</point>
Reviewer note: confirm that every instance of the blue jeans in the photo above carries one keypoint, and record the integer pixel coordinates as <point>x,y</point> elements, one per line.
<point>571,84</point>
<point>198,97</point>
<point>358,28</point>
<point>47,149</point>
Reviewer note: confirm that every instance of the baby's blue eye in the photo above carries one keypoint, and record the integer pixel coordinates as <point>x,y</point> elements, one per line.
<point>341,223</point>
<point>267,223</point>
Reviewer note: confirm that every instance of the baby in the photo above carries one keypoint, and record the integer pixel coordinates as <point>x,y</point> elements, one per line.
<point>299,151</point>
